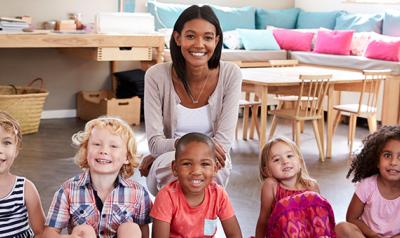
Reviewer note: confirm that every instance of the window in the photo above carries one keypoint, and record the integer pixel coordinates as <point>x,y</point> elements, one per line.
<point>373,1</point>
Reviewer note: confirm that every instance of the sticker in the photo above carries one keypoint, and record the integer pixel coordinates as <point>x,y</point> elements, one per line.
<point>210,227</point>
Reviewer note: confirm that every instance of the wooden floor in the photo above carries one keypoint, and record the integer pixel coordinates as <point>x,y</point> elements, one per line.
<point>46,159</point>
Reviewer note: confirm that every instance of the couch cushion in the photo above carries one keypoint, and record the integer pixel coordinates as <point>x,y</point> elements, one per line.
<point>317,19</point>
<point>345,61</point>
<point>165,14</point>
<point>359,22</point>
<point>231,18</point>
<point>391,23</point>
<point>384,50</point>
<point>258,39</point>
<point>244,55</point>
<point>333,42</point>
<point>283,18</point>
<point>293,39</point>
<point>232,40</point>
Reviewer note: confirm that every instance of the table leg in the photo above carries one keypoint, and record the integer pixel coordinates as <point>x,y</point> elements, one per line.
<point>263,95</point>
<point>329,133</point>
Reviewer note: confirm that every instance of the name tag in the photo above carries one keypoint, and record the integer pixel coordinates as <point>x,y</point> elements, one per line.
<point>210,227</point>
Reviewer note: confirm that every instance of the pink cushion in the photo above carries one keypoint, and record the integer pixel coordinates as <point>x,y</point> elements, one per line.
<point>383,50</point>
<point>293,40</point>
<point>333,42</point>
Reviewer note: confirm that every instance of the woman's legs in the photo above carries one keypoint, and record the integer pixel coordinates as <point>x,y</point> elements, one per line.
<point>348,230</point>
<point>84,231</point>
<point>129,230</point>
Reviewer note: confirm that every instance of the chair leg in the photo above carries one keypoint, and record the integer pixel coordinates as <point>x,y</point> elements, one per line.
<point>318,139</point>
<point>254,122</point>
<point>336,122</point>
<point>297,133</point>
<point>350,129</point>
<point>273,127</point>
<point>245,122</point>
<point>372,124</point>
<point>353,120</point>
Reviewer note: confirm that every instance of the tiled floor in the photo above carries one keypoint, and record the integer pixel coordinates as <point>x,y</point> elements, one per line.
<point>46,159</point>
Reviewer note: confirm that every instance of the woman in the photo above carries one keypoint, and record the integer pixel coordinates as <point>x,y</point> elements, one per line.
<point>194,93</point>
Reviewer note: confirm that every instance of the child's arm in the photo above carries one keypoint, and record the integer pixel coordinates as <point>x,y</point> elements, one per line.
<point>231,227</point>
<point>144,228</point>
<point>161,229</point>
<point>354,212</point>
<point>34,207</point>
<point>267,197</point>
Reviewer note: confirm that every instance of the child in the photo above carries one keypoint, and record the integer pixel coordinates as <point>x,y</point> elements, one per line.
<point>289,196</point>
<point>102,197</point>
<point>21,212</point>
<point>375,207</point>
<point>191,205</point>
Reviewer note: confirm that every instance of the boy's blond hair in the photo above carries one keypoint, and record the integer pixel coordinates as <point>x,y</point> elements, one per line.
<point>116,126</point>
<point>12,126</point>
<point>304,177</point>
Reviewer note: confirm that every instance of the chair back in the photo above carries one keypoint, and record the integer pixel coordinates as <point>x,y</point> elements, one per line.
<point>368,98</point>
<point>313,89</point>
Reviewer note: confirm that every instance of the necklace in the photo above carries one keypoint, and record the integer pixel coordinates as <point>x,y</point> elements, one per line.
<point>195,101</point>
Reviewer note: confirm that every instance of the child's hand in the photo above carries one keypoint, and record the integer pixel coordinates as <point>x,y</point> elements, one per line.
<point>145,165</point>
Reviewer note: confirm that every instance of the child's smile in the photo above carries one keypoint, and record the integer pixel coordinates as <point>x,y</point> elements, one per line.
<point>195,168</point>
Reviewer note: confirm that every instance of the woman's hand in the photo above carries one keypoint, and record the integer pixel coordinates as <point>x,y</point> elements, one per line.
<point>220,154</point>
<point>145,165</point>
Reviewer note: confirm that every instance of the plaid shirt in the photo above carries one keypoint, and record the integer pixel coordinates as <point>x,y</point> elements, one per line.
<point>74,204</point>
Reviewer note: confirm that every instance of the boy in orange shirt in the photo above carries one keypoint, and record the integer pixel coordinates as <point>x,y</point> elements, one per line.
<point>191,205</point>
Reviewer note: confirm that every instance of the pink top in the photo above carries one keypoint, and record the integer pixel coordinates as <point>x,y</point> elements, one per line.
<point>282,192</point>
<point>185,221</point>
<point>380,214</point>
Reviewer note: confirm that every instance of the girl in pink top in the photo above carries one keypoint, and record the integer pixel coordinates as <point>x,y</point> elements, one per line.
<point>375,207</point>
<point>290,202</point>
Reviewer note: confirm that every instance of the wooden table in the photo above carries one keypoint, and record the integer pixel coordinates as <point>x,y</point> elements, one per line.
<point>285,80</point>
<point>100,47</point>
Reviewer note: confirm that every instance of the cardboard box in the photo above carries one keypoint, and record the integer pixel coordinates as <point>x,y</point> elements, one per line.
<point>92,104</point>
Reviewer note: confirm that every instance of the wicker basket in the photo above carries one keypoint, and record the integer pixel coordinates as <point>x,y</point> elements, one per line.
<point>25,104</point>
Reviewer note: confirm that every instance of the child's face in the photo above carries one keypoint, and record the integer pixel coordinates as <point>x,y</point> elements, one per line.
<point>8,150</point>
<point>283,162</point>
<point>389,161</point>
<point>195,167</point>
<point>106,152</point>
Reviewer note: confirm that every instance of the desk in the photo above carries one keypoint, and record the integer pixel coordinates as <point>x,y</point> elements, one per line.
<point>103,47</point>
<point>264,81</point>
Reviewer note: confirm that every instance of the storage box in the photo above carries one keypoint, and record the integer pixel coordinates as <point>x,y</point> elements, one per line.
<point>92,104</point>
<point>125,23</point>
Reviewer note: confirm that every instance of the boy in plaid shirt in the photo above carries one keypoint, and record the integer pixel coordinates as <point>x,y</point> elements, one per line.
<point>102,201</point>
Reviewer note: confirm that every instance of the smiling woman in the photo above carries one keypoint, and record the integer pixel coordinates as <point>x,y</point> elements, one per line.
<point>195,93</point>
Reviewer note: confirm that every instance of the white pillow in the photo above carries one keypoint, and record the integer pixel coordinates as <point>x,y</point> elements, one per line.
<point>232,40</point>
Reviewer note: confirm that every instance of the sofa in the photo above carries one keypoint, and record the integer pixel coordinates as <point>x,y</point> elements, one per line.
<point>336,38</point>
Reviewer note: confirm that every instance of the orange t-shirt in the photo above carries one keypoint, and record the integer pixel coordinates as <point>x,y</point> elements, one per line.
<point>171,206</point>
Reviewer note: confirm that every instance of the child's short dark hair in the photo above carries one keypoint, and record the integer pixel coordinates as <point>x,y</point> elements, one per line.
<point>193,137</point>
<point>365,164</point>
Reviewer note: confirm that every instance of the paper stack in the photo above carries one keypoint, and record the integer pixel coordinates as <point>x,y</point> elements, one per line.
<point>12,24</point>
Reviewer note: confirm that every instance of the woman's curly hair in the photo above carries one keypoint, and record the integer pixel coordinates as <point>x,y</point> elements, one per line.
<point>365,164</point>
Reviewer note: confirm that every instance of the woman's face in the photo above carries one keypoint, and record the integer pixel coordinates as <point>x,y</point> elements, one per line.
<point>197,40</point>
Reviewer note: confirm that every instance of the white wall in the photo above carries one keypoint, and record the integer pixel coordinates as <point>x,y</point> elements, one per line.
<point>330,5</point>
<point>141,4</point>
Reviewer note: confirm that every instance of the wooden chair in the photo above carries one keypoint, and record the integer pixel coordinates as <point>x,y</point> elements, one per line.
<point>366,106</point>
<point>313,87</point>
<point>249,104</point>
